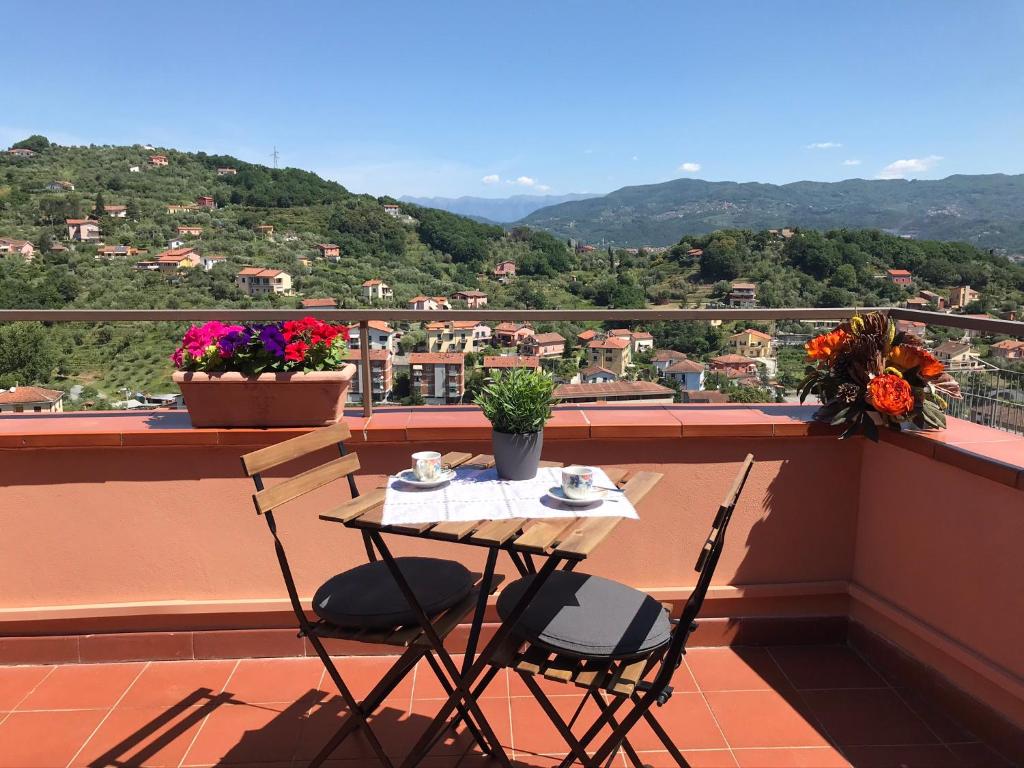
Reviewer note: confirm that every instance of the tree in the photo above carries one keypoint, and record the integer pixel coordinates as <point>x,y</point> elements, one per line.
<point>132,208</point>
<point>26,355</point>
<point>99,209</point>
<point>35,142</point>
<point>722,259</point>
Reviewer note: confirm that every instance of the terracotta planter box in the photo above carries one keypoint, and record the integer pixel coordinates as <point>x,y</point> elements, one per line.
<point>269,400</point>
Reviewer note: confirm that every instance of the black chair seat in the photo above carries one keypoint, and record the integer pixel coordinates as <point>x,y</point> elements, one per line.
<point>586,616</point>
<point>368,597</point>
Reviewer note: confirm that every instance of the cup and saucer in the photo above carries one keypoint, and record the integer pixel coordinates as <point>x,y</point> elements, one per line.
<point>427,471</point>
<point>577,489</point>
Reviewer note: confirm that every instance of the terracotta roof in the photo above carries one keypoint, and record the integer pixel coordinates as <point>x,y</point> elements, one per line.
<point>592,370</point>
<point>450,358</point>
<point>374,281</point>
<point>667,356</point>
<point>549,338</point>
<point>609,343</point>
<point>732,360</point>
<point>751,332</point>
<point>918,301</point>
<point>327,245</point>
<point>642,335</point>
<point>175,254</point>
<point>115,207</point>
<point>416,299</point>
<point>511,361</point>
<point>611,389</point>
<point>311,303</point>
<point>1008,344</point>
<point>25,395</point>
<point>705,396</point>
<point>620,332</point>
<point>586,335</point>
<point>511,327</point>
<point>439,325</point>
<point>77,222</point>
<point>744,286</point>
<point>952,348</point>
<point>471,294</point>
<point>898,272</point>
<point>259,272</point>
<point>685,366</point>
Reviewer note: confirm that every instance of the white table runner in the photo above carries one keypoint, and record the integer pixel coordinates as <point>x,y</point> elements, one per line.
<point>479,494</point>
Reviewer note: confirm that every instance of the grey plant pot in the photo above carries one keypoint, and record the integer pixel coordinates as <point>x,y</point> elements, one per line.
<point>516,457</point>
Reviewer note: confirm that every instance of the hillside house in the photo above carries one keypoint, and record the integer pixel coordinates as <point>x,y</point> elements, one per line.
<point>110,252</point>
<point>933,298</point>
<point>473,299</point>
<point>688,373</point>
<point>457,336</point>
<point>377,290</point>
<point>615,392</point>
<point>595,374</point>
<point>544,345</point>
<point>83,230</point>
<point>440,378</point>
<point>429,303</point>
<point>227,171</point>
<point>640,341</point>
<point>912,327</point>
<point>663,358</point>
<point>267,230</point>
<point>257,281</point>
<point>304,261</point>
<point>191,230</point>
<point>957,356</point>
<point>210,261</point>
<point>512,334</point>
<point>174,208</point>
<point>493,363</point>
<point>380,336</point>
<point>742,295</point>
<point>175,242</point>
<point>751,343</point>
<point>916,302</point>
<point>1010,349</point>
<point>134,169</point>
<point>695,253</point>
<point>116,211</point>
<point>325,303</point>
<point>13,247</point>
<point>504,271</point>
<point>21,152</point>
<point>31,400</point>
<point>60,186</point>
<point>158,159</point>
<point>962,295</point>
<point>614,353</point>
<point>734,366</point>
<point>899,277</point>
<point>329,250</point>
<point>392,210</point>
<point>147,266</point>
<point>177,258</point>
<point>381,375</point>
<point>587,336</point>
<point>206,201</point>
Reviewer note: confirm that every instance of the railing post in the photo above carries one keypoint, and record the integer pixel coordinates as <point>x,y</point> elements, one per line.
<point>366,374</point>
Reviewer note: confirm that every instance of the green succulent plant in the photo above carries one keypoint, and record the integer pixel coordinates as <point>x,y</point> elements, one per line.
<point>517,401</point>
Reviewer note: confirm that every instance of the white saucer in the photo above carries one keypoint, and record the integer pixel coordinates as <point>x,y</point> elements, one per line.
<point>596,497</point>
<point>409,478</point>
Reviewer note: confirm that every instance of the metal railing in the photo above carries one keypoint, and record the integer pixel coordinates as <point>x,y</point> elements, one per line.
<point>364,316</point>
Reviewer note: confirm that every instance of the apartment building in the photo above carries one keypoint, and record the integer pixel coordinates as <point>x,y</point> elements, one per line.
<point>613,353</point>
<point>457,336</point>
<point>256,281</point>
<point>381,375</point>
<point>439,377</point>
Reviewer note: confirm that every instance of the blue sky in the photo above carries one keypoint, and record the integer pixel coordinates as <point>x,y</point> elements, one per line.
<point>498,98</point>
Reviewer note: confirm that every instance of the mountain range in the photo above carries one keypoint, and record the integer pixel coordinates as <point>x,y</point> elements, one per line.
<point>985,210</point>
<point>500,210</point>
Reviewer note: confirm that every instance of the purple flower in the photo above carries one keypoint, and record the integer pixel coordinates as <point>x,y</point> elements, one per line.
<point>273,340</point>
<point>233,339</point>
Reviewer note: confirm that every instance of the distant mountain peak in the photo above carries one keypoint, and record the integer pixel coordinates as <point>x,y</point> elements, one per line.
<point>497,209</point>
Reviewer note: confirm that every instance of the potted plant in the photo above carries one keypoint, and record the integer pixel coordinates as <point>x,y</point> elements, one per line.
<point>285,374</point>
<point>866,375</point>
<point>517,402</point>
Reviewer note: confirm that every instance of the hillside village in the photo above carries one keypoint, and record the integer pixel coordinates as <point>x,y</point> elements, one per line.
<point>125,227</point>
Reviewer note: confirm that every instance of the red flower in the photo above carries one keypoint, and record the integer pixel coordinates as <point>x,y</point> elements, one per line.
<point>296,351</point>
<point>891,395</point>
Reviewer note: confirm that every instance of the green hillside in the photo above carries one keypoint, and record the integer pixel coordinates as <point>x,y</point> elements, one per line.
<point>985,210</point>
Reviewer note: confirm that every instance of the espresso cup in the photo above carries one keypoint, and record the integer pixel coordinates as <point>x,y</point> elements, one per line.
<point>426,465</point>
<point>578,482</point>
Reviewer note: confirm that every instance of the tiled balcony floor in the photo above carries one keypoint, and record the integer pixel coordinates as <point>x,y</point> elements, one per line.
<point>787,706</point>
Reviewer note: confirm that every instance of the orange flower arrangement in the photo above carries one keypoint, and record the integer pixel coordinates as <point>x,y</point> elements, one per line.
<point>865,373</point>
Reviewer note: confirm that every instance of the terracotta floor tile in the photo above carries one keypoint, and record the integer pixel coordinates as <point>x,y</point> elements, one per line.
<point>460,740</point>
<point>806,757</point>
<point>83,686</point>
<point>148,736</point>
<point>362,673</point>
<point>687,720</point>
<point>532,730</point>
<point>394,727</point>
<point>517,688</point>
<point>283,680</point>
<point>244,734</point>
<point>17,682</point>
<point>735,669</point>
<point>941,722</point>
<point>170,683</point>
<point>867,717</point>
<point>699,758</point>
<point>45,739</point>
<point>428,687</point>
<point>825,666</point>
<point>936,756</point>
<point>764,719</point>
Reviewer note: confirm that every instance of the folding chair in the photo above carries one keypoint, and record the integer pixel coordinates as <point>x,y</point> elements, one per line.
<point>365,603</point>
<point>612,640</point>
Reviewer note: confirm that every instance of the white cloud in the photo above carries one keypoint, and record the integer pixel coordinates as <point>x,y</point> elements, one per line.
<point>851,162</point>
<point>689,167</point>
<point>824,145</point>
<point>524,181</point>
<point>491,178</point>
<point>543,188</point>
<point>900,169</point>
